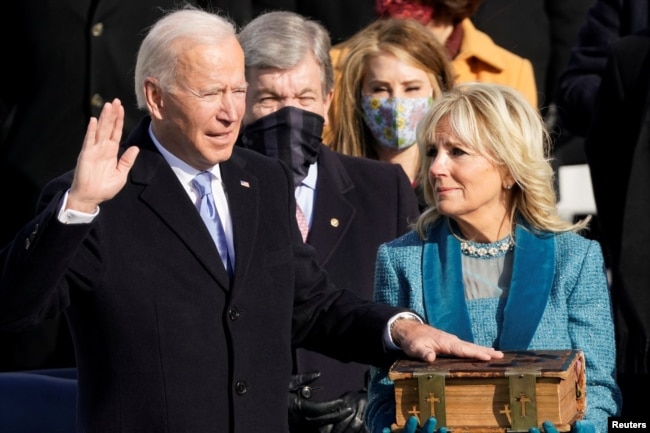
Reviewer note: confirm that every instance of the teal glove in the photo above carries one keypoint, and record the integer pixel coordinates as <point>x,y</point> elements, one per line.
<point>428,427</point>
<point>581,426</point>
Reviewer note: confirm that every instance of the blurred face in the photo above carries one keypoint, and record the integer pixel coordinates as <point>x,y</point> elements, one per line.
<point>387,76</point>
<point>273,89</point>
<point>198,120</point>
<point>467,186</point>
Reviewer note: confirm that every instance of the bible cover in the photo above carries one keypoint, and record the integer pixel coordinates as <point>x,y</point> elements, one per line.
<point>519,391</point>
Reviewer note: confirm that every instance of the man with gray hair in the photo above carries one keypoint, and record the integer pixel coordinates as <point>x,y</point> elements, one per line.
<point>351,205</point>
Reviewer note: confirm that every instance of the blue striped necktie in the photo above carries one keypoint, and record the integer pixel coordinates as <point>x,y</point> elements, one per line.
<point>208,210</point>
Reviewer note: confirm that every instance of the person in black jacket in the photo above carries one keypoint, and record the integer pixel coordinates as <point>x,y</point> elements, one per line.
<point>290,77</point>
<point>619,142</point>
<point>606,21</point>
<point>63,59</point>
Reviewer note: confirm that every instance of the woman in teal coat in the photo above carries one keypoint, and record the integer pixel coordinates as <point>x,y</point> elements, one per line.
<point>490,260</point>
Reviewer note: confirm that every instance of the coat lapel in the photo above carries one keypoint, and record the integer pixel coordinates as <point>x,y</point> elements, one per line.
<point>333,213</point>
<point>242,192</point>
<point>532,279</point>
<point>530,287</point>
<point>166,197</point>
<point>444,296</point>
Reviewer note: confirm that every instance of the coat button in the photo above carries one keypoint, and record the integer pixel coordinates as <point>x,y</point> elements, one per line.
<point>306,391</point>
<point>233,313</point>
<point>97,29</point>
<point>96,101</point>
<point>241,387</point>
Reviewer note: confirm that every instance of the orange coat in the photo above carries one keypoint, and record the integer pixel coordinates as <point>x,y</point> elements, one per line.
<point>480,59</point>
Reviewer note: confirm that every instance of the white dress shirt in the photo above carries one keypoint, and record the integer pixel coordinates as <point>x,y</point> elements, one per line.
<point>306,193</point>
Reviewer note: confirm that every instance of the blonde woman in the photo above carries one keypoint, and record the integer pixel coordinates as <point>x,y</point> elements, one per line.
<point>490,260</point>
<point>392,71</point>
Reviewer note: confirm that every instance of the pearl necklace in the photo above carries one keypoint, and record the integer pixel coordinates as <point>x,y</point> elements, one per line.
<point>484,250</point>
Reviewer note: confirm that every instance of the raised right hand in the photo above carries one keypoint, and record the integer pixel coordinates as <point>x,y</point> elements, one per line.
<point>100,174</point>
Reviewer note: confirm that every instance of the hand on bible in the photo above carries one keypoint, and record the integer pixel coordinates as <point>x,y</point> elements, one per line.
<point>422,341</point>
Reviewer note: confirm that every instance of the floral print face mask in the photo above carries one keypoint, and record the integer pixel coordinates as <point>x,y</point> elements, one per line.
<point>392,121</point>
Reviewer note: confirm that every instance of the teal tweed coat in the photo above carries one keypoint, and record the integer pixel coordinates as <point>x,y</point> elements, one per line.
<point>558,299</point>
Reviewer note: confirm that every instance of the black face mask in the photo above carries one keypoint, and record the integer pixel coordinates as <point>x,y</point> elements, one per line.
<point>291,135</point>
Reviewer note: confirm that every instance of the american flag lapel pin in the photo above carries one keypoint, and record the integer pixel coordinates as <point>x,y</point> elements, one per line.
<point>244,183</point>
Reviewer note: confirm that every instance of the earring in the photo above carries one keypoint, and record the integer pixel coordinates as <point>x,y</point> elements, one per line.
<point>508,186</point>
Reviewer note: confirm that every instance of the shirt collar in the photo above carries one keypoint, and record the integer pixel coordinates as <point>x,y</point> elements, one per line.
<point>185,172</point>
<point>312,176</point>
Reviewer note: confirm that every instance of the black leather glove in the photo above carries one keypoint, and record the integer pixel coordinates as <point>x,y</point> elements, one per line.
<point>309,416</point>
<point>354,423</point>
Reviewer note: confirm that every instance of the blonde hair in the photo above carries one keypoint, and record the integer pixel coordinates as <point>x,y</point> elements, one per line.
<point>498,123</point>
<point>407,40</point>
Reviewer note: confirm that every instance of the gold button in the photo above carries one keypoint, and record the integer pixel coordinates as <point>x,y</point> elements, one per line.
<point>97,30</point>
<point>334,222</point>
<point>97,101</point>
